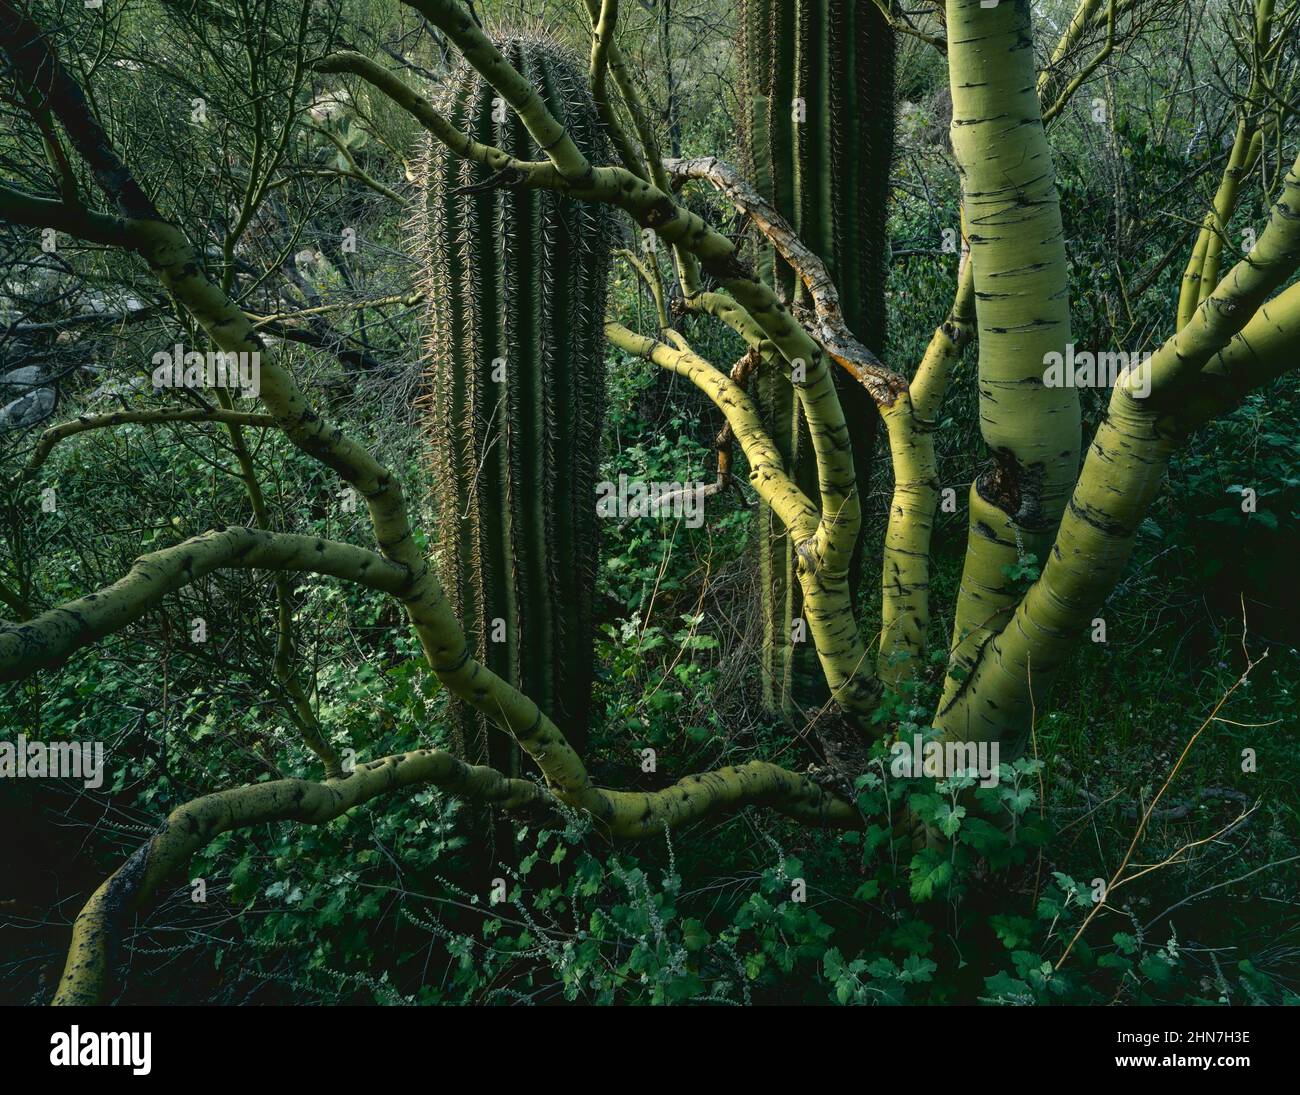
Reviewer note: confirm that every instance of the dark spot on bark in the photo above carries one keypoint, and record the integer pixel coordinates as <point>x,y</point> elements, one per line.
<point>1015,488</point>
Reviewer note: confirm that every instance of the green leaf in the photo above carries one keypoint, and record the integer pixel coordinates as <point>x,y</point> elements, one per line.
<point>694,937</point>
<point>949,818</point>
<point>1014,932</point>
<point>1003,986</point>
<point>1126,943</point>
<point>931,873</point>
<point>917,969</point>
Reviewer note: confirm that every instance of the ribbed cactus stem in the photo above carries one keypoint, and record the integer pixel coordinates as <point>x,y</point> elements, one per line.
<point>817,86</point>
<point>516,281</point>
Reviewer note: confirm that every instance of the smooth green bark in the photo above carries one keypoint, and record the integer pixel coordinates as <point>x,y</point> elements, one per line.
<point>1017,250</point>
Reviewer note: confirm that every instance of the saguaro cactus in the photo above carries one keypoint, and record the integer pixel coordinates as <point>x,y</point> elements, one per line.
<point>516,280</point>
<point>817,86</point>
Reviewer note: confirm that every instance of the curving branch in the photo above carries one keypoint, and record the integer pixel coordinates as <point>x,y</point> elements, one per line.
<point>20,207</point>
<point>1234,301</point>
<point>910,424</point>
<point>688,273</point>
<point>97,931</point>
<point>1082,76</point>
<point>902,23</point>
<point>603,21</point>
<point>158,416</point>
<point>831,331</point>
<point>356,171</point>
<point>827,601</point>
<point>48,640</point>
<point>1201,275</point>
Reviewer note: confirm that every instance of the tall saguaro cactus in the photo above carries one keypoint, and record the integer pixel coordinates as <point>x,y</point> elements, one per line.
<point>817,87</point>
<point>516,280</point>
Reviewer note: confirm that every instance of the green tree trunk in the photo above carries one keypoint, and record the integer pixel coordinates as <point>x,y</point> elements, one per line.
<point>1017,250</point>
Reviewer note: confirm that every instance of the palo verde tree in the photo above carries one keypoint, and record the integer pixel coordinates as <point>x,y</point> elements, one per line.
<point>1075,503</point>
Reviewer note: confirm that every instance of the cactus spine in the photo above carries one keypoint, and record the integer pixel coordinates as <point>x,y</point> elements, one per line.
<point>515,281</point>
<point>817,87</point>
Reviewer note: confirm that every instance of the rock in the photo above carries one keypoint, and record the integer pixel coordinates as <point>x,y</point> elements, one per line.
<point>127,388</point>
<point>27,410</point>
<point>23,379</point>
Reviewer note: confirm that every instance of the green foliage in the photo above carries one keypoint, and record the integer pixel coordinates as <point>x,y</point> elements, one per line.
<point>1023,572</point>
<point>951,893</point>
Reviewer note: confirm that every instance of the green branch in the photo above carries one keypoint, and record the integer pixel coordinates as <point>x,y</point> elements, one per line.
<point>98,927</point>
<point>48,640</point>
